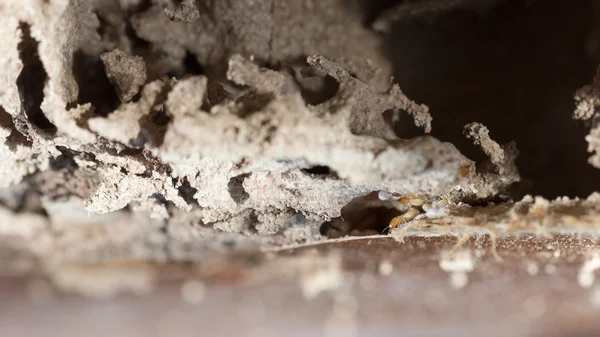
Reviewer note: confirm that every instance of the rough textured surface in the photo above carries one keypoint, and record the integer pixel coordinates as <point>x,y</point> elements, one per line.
<point>126,73</point>
<point>206,117</point>
<point>243,162</point>
<point>136,136</point>
<point>185,11</point>
<point>587,103</point>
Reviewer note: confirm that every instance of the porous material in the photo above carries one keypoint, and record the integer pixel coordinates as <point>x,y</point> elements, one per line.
<point>126,73</point>
<point>587,101</point>
<point>185,11</point>
<point>160,130</point>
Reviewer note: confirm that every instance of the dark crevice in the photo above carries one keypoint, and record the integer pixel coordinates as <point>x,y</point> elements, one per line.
<point>366,215</point>
<point>103,24</point>
<point>316,90</point>
<point>65,161</point>
<point>236,188</point>
<point>191,65</point>
<point>320,170</point>
<point>15,138</point>
<point>187,192</point>
<point>160,198</point>
<point>403,124</point>
<point>101,93</point>
<point>513,67</point>
<point>153,128</point>
<point>137,43</point>
<point>253,102</point>
<point>32,79</point>
<point>141,47</point>
<point>160,117</point>
<point>315,87</point>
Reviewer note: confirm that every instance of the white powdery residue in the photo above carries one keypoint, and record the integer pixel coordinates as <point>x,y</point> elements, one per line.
<point>458,265</point>
<point>586,277</point>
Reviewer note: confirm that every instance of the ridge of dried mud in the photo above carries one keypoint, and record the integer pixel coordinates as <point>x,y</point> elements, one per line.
<point>163,130</point>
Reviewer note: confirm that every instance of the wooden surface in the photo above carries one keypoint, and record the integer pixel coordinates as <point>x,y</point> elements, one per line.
<point>536,287</point>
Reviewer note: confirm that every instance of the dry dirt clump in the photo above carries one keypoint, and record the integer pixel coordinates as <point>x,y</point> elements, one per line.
<point>588,102</point>
<point>162,129</point>
<point>126,73</point>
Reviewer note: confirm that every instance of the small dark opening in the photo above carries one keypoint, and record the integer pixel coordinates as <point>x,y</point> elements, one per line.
<point>160,197</point>
<point>403,124</point>
<point>94,86</point>
<point>160,117</point>
<point>236,188</point>
<point>366,215</point>
<point>191,64</point>
<point>318,170</point>
<point>65,161</point>
<point>15,138</point>
<point>137,44</point>
<point>32,79</point>
<point>316,90</point>
<point>187,192</point>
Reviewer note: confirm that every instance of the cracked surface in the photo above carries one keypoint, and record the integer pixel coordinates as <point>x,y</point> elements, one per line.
<point>238,164</point>
<point>211,129</point>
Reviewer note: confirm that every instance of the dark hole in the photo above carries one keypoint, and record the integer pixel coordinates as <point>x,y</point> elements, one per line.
<point>191,65</point>
<point>94,86</point>
<point>160,118</point>
<point>187,192</point>
<point>65,161</point>
<point>366,215</point>
<point>16,137</point>
<point>316,90</point>
<point>138,45</point>
<point>131,152</point>
<point>403,124</point>
<point>318,170</point>
<point>32,79</point>
<point>236,188</point>
<point>513,67</point>
<point>160,197</point>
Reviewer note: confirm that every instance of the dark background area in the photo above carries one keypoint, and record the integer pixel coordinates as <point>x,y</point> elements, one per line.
<point>514,67</point>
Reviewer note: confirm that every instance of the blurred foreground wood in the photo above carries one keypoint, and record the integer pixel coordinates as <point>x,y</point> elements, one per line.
<point>364,287</point>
